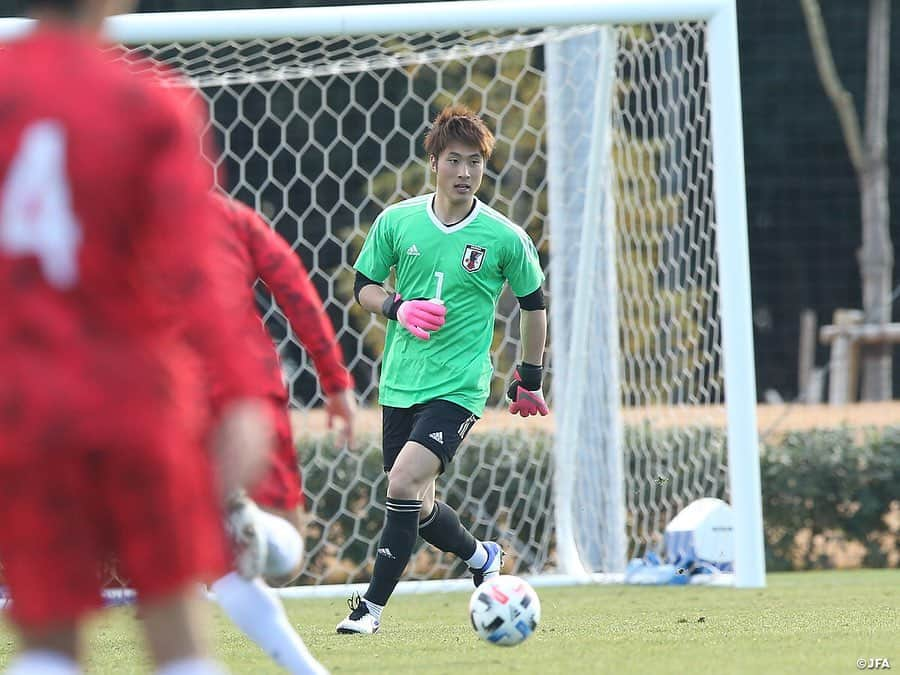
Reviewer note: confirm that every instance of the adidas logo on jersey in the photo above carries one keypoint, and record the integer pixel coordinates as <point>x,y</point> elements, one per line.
<point>438,436</point>
<point>412,250</point>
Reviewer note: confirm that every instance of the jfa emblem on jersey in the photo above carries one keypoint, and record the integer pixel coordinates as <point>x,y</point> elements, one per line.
<point>473,257</point>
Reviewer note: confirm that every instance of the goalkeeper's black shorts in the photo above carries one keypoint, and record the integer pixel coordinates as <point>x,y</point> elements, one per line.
<point>439,425</point>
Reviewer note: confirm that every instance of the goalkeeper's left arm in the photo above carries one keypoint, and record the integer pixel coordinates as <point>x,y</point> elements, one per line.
<point>524,393</point>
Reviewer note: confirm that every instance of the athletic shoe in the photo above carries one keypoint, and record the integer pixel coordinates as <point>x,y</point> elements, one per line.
<point>492,567</point>
<point>248,540</point>
<point>360,620</point>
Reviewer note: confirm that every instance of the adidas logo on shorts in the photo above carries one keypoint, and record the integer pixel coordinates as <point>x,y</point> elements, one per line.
<point>438,436</point>
<point>386,552</point>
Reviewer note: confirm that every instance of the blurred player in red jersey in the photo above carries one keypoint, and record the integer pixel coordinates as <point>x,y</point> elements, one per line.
<point>249,250</point>
<point>102,405</point>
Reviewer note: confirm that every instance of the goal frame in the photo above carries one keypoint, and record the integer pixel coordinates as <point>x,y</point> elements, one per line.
<point>728,185</point>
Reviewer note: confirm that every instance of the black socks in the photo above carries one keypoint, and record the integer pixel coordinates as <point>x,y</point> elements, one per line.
<point>443,530</point>
<point>394,548</point>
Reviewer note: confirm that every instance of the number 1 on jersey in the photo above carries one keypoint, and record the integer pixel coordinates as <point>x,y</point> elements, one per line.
<point>440,286</point>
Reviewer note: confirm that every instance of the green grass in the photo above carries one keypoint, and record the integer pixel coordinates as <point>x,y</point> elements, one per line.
<point>803,622</point>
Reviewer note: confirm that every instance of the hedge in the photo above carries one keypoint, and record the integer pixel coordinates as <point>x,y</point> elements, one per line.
<point>830,497</point>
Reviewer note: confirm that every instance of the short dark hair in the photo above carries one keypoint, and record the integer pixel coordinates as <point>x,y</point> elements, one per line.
<point>459,123</point>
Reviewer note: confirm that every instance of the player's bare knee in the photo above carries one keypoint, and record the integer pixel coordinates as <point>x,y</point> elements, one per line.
<point>403,485</point>
<point>402,489</point>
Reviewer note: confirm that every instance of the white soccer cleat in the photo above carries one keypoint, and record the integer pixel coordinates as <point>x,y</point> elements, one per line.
<point>492,566</point>
<point>361,621</point>
<point>247,538</point>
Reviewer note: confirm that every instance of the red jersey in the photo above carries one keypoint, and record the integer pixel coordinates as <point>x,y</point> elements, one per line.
<point>100,171</point>
<point>100,281</point>
<point>251,250</point>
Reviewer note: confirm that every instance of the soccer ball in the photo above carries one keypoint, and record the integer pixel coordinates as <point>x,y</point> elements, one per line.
<point>504,610</point>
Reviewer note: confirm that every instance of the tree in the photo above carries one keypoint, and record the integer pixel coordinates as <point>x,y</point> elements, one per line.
<point>868,154</point>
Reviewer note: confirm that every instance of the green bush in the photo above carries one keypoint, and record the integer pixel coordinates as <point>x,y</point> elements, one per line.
<point>840,485</point>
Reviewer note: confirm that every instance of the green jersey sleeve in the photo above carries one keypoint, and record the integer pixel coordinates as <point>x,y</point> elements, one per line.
<point>522,267</point>
<point>378,253</point>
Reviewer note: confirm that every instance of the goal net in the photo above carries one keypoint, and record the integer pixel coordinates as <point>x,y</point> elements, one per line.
<point>605,155</point>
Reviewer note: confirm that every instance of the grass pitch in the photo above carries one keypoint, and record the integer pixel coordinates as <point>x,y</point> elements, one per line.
<point>803,622</point>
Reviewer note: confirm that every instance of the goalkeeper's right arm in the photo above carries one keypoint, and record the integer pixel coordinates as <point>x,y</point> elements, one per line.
<point>417,315</point>
<point>370,294</point>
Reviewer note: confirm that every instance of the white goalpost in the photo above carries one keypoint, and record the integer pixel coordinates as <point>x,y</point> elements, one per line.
<point>619,150</point>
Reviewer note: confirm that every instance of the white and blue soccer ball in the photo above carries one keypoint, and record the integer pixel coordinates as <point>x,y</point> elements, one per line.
<point>505,610</point>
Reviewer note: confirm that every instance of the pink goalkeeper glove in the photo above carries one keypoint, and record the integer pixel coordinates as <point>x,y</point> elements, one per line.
<point>417,316</point>
<point>524,393</point>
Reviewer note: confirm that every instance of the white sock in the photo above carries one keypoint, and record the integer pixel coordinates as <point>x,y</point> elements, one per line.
<point>192,667</point>
<point>255,609</point>
<point>285,545</point>
<point>42,661</point>
<point>479,558</point>
<point>374,610</point>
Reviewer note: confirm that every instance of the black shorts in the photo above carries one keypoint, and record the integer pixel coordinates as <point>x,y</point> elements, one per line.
<point>439,425</point>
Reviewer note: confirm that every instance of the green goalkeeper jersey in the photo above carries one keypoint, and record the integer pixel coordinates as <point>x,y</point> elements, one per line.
<point>465,266</point>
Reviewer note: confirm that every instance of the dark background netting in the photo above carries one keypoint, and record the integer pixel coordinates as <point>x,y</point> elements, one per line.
<point>803,201</point>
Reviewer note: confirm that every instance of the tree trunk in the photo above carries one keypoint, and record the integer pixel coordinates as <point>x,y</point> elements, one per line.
<point>876,260</point>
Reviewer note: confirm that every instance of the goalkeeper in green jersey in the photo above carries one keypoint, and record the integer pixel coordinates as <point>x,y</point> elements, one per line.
<point>451,255</point>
